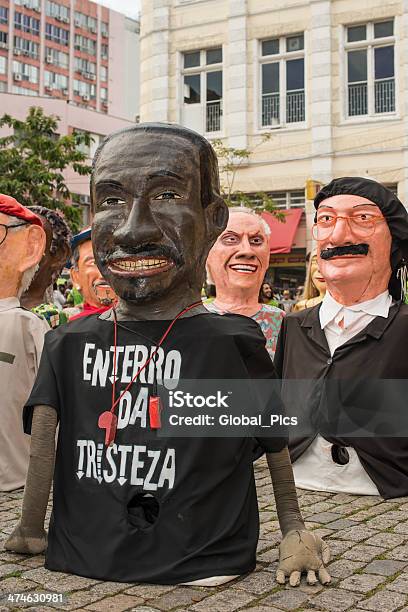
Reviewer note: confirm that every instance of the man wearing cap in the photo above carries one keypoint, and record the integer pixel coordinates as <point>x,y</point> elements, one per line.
<point>86,278</point>
<point>347,348</point>
<point>22,244</point>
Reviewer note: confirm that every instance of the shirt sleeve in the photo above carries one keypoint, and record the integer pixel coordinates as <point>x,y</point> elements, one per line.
<point>260,367</point>
<point>45,390</point>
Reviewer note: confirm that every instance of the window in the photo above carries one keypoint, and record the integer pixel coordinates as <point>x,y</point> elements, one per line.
<point>82,43</point>
<point>105,29</point>
<point>3,64</point>
<point>86,90</point>
<point>56,57</point>
<point>31,4</point>
<point>58,11</point>
<point>23,46</point>
<point>203,89</point>
<point>3,14</point>
<point>104,51</point>
<point>26,23</point>
<point>85,67</point>
<point>3,87</point>
<point>86,22</point>
<point>282,81</point>
<point>3,39</point>
<point>55,80</point>
<point>24,91</point>
<point>370,69</point>
<point>25,71</point>
<point>104,94</point>
<point>104,73</point>
<point>57,34</point>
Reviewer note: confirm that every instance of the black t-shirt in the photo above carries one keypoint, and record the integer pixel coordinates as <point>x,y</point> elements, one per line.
<point>148,509</point>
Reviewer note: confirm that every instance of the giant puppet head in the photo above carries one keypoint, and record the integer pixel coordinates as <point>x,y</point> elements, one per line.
<point>238,261</point>
<point>361,229</point>
<point>85,275</point>
<point>155,194</point>
<point>57,253</point>
<point>22,245</point>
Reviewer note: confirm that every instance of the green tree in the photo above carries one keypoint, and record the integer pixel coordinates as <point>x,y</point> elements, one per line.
<point>230,161</point>
<point>32,160</point>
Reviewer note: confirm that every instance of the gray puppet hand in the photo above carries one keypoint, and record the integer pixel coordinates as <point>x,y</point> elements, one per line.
<point>21,541</point>
<point>302,551</point>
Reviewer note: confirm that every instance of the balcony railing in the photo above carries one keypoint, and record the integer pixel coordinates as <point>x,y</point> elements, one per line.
<point>384,92</point>
<point>213,116</point>
<point>270,109</point>
<point>295,106</point>
<point>357,99</point>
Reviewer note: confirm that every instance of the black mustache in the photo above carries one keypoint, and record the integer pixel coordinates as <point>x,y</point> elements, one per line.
<point>148,250</point>
<point>347,249</point>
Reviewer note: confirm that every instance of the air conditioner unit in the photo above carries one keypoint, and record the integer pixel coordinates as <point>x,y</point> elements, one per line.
<point>48,88</point>
<point>84,199</point>
<point>58,18</point>
<point>65,19</point>
<point>17,76</point>
<point>77,47</point>
<point>65,92</point>
<point>86,98</point>
<point>3,45</point>
<point>77,23</point>
<point>49,59</point>
<point>17,52</point>
<point>93,30</point>
<point>25,52</point>
<point>92,77</point>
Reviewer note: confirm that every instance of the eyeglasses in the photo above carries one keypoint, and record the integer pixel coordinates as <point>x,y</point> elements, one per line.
<point>5,228</point>
<point>362,225</point>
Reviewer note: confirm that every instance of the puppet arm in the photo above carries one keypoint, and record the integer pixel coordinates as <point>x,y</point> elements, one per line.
<point>29,536</point>
<point>300,550</point>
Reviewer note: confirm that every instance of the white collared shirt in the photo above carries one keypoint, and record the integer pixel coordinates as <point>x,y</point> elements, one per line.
<point>355,318</point>
<point>21,341</point>
<point>315,469</point>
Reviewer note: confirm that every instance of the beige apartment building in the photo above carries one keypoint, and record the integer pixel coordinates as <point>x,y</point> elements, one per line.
<point>327,78</point>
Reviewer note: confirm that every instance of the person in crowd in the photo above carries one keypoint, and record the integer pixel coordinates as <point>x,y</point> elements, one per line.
<point>286,303</point>
<point>350,345</point>
<point>266,295</point>
<point>22,244</point>
<point>98,296</point>
<point>237,264</point>
<point>145,507</point>
<point>315,287</point>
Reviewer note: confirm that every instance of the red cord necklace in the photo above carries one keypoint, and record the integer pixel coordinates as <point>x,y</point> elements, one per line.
<point>108,419</point>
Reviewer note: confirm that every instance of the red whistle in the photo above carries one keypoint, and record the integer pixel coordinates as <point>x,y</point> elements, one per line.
<point>154,412</point>
<point>108,421</point>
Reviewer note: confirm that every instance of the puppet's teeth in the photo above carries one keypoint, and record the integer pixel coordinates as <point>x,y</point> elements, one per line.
<point>141,264</point>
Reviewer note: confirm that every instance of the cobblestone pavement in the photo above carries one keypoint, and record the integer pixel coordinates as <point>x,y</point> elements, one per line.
<point>368,539</point>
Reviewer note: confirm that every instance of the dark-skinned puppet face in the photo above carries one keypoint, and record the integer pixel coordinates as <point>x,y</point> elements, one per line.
<point>155,195</point>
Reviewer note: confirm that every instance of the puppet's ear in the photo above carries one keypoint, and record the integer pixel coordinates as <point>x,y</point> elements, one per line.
<point>216,218</point>
<point>35,240</point>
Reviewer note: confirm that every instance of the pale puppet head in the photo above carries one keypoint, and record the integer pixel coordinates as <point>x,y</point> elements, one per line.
<point>315,285</point>
<point>362,234</point>
<point>21,247</point>
<point>239,259</point>
<point>85,275</point>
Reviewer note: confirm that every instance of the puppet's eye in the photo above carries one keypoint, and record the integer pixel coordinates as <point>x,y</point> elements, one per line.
<point>257,240</point>
<point>325,219</point>
<point>229,239</point>
<point>168,195</point>
<point>364,217</point>
<point>113,201</point>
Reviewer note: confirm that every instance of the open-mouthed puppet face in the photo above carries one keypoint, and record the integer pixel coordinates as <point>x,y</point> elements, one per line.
<point>94,288</point>
<point>240,257</point>
<point>151,233</point>
<point>363,229</point>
